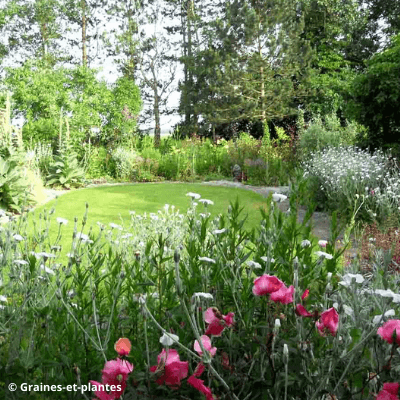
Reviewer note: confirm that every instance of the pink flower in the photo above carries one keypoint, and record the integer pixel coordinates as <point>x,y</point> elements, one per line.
<point>100,392</point>
<point>305,294</point>
<point>284,295</point>
<point>206,341</point>
<point>266,284</point>
<point>216,321</point>
<point>386,332</point>
<point>199,385</point>
<point>123,347</point>
<point>172,369</point>
<point>115,373</point>
<point>390,391</point>
<point>302,312</point>
<point>329,322</point>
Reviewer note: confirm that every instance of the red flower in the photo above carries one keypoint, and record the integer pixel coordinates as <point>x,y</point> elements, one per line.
<point>329,322</point>
<point>172,369</point>
<point>123,347</point>
<point>199,385</point>
<point>302,312</point>
<point>100,392</point>
<point>386,332</point>
<point>390,391</point>
<point>266,284</point>
<point>284,295</point>
<point>216,321</point>
<point>305,294</point>
<point>206,341</point>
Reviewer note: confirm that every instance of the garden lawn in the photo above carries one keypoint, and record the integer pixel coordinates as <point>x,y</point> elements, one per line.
<point>112,204</point>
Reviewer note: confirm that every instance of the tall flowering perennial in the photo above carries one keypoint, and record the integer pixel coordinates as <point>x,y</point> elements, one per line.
<point>114,374</point>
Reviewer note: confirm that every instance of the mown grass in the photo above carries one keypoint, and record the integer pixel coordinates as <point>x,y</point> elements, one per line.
<point>113,203</point>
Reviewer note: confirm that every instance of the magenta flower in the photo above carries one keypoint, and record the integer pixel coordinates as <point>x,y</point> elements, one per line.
<point>266,284</point>
<point>390,391</point>
<point>206,341</point>
<point>216,321</point>
<point>172,369</point>
<point>305,294</point>
<point>123,346</point>
<point>386,332</point>
<point>284,295</point>
<point>199,385</point>
<point>115,373</point>
<point>302,312</point>
<point>329,322</point>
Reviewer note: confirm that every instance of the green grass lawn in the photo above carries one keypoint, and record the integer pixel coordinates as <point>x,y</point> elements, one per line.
<point>111,203</point>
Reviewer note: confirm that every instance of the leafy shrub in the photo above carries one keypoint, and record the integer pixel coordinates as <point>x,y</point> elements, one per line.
<point>66,171</point>
<point>41,157</point>
<point>14,187</point>
<point>124,160</point>
<point>98,163</point>
<point>320,135</point>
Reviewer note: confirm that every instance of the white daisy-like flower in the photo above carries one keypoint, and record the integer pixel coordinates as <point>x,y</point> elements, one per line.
<point>278,197</point>
<point>267,259</point>
<point>132,212</point>
<point>48,270</point>
<point>21,262</point>
<point>379,318</point>
<point>62,221</point>
<point>203,295</point>
<point>193,195</point>
<point>3,299</point>
<point>323,254</point>
<point>253,264</point>
<point>115,226</point>
<point>219,231</point>
<point>168,339</point>
<point>18,237</point>
<point>305,243</point>
<point>83,237</point>
<point>206,259</point>
<point>322,243</point>
<point>154,217</point>
<point>206,202</point>
<point>347,279</point>
<point>127,236</point>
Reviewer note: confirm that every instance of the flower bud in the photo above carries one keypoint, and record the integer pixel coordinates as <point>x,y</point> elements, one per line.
<point>176,256</point>
<point>285,354</point>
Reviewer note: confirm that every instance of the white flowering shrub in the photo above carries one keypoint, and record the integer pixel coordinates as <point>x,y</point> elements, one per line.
<point>340,175</point>
<point>124,161</point>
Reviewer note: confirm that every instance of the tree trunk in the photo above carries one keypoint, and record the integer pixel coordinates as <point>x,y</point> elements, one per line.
<point>84,50</point>
<point>157,129</point>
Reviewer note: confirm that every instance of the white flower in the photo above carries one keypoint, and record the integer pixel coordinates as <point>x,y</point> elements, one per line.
<point>379,318</point>
<point>154,217</point>
<point>21,262</point>
<point>388,293</point>
<point>3,299</point>
<point>18,238</point>
<point>203,295</point>
<point>115,226</point>
<point>267,259</point>
<point>253,264</point>
<point>305,243</point>
<point>219,231</point>
<point>322,243</point>
<point>166,207</point>
<point>193,195</point>
<point>277,323</point>
<point>206,202</point>
<point>83,237</point>
<point>206,259</point>
<point>48,270</point>
<point>278,197</point>
<point>46,255</point>
<point>325,255</point>
<point>140,298</point>
<point>168,339</point>
<point>62,221</point>
<point>348,310</point>
<point>128,235</point>
<point>2,213</point>
<point>349,277</point>
<point>132,212</point>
